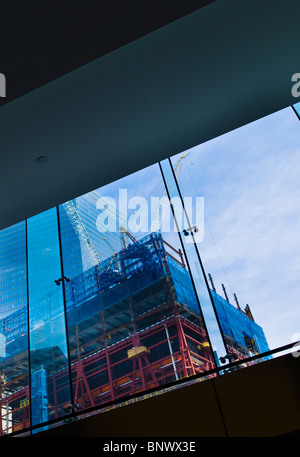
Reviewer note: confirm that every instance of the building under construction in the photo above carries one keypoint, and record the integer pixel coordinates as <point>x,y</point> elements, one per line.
<point>132,324</point>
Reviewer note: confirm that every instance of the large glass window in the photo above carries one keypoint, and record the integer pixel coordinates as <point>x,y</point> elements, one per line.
<point>14,366</point>
<point>249,179</point>
<point>134,320</point>
<point>50,386</point>
<point>164,276</point>
<point>182,215</point>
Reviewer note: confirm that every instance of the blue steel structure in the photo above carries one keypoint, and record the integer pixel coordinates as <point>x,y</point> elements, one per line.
<point>140,277</point>
<point>241,332</point>
<point>39,397</point>
<point>12,269</point>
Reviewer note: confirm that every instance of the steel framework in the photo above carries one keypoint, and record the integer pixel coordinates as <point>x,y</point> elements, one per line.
<point>134,324</point>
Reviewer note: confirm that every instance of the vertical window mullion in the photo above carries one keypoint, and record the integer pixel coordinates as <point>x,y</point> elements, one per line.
<point>65,309</point>
<point>211,321</point>
<point>28,330</point>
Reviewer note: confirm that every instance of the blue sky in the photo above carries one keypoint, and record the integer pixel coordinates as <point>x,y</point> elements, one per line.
<point>249,179</point>
<point>250,182</point>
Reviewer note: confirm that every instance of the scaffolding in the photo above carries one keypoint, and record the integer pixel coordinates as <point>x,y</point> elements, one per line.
<point>133,325</point>
<point>243,336</point>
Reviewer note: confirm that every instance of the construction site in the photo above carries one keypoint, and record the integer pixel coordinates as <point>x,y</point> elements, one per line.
<point>128,324</point>
<point>133,324</point>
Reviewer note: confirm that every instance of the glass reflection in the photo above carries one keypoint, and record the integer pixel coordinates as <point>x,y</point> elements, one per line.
<point>249,179</point>
<point>184,221</point>
<point>14,390</point>
<point>50,388</point>
<point>118,301</point>
<point>132,313</point>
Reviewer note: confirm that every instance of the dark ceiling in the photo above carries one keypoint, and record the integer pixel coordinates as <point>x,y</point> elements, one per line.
<point>104,91</point>
<point>42,40</point>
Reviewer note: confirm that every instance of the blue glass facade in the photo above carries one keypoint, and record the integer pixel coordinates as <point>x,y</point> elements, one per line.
<point>85,326</point>
<point>87,319</point>
<point>128,323</point>
<point>241,332</point>
<point>46,310</point>
<point>71,247</point>
<point>13,269</point>
<point>14,357</point>
<point>48,338</point>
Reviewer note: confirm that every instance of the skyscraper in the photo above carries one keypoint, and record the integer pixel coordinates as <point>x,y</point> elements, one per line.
<point>105,240</point>
<point>12,269</point>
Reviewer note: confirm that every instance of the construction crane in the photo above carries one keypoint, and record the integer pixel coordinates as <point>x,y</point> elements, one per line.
<point>164,202</point>
<point>131,237</point>
<point>116,214</point>
<point>81,231</point>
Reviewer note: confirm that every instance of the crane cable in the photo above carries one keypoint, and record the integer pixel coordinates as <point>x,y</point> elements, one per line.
<point>210,231</point>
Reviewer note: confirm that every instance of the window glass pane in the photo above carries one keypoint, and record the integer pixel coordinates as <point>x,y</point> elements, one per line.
<point>14,395</point>
<point>133,317</point>
<point>297,108</point>
<point>117,294</point>
<point>183,218</point>
<point>50,387</point>
<point>249,179</point>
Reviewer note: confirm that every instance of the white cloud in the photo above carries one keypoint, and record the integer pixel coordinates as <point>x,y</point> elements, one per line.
<point>250,179</point>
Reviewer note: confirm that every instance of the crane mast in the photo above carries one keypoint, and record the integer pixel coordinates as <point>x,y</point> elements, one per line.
<point>80,230</point>
<point>82,233</point>
<point>164,202</point>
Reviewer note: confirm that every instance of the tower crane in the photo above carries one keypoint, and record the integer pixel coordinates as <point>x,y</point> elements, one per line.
<point>80,230</point>
<point>82,233</point>
<point>164,202</point>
